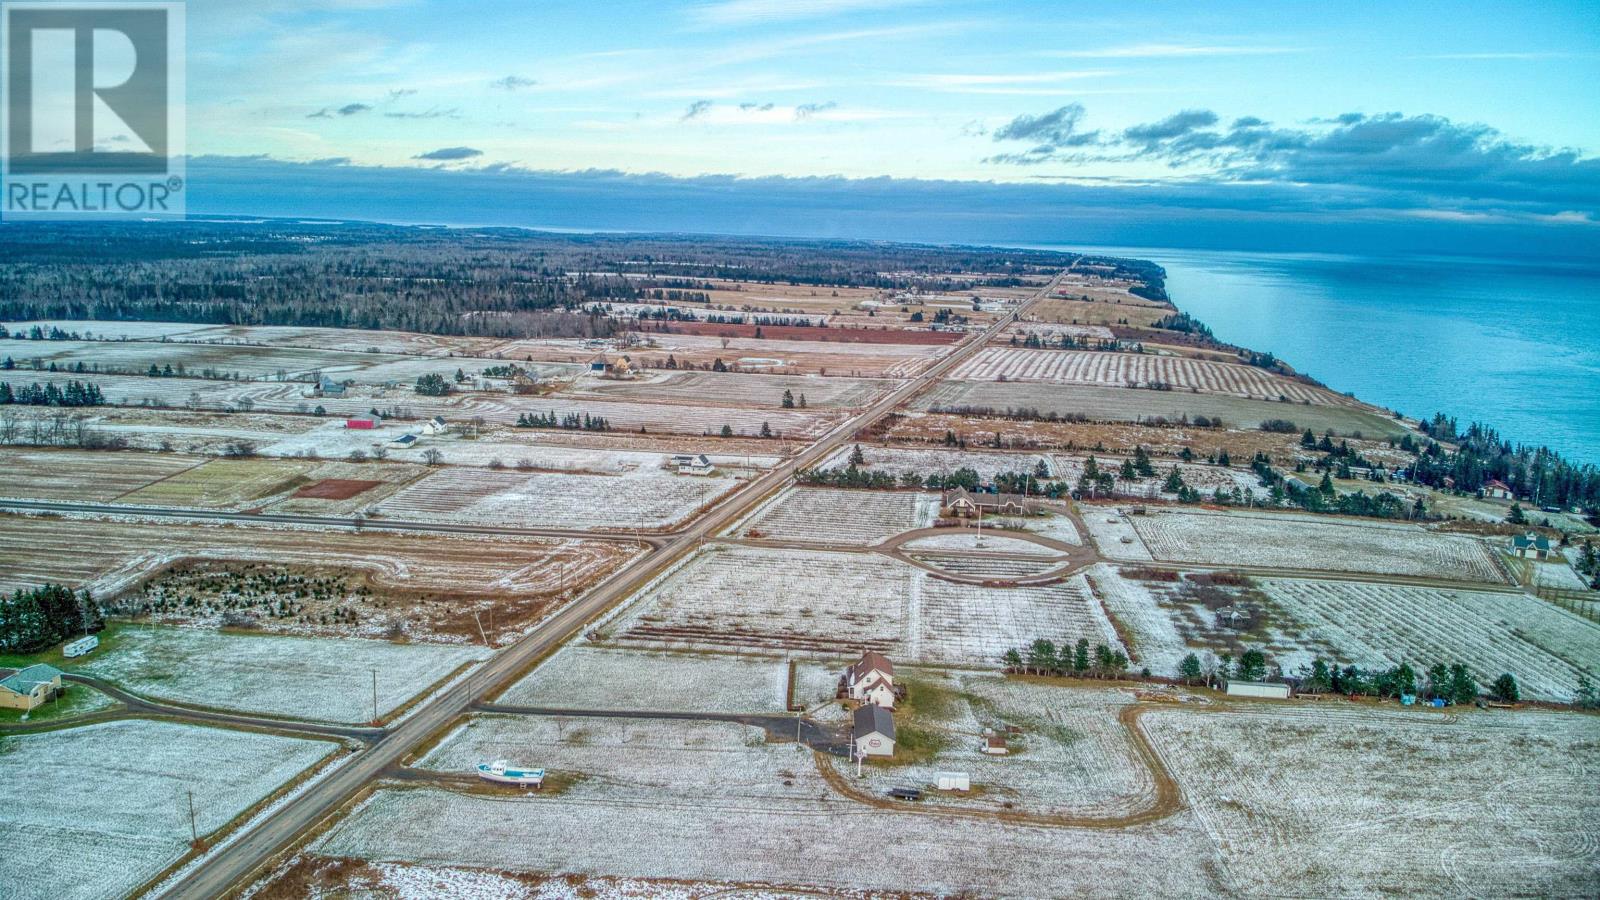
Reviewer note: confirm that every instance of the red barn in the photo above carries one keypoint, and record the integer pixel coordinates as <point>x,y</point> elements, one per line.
<point>362,422</point>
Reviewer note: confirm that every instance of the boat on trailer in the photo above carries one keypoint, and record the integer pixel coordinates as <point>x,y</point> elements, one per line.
<point>502,772</point>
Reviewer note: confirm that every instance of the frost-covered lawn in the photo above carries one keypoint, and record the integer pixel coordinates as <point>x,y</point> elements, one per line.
<point>640,498</point>
<point>1113,533</point>
<point>979,541</point>
<point>322,679</point>
<point>1377,625</point>
<point>1326,543</point>
<point>583,676</point>
<point>829,516</point>
<point>1342,802</point>
<point>1073,758</point>
<point>835,604</point>
<point>96,811</point>
<point>708,801</point>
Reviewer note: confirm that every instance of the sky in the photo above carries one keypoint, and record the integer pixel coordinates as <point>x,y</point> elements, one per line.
<point>1434,125</point>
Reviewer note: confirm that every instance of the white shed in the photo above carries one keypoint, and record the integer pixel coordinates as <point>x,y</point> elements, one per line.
<point>953,781</point>
<point>80,646</point>
<point>1268,690</point>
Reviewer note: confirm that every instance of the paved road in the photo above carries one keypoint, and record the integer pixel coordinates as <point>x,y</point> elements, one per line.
<point>232,865</point>
<point>778,727</point>
<point>168,512</point>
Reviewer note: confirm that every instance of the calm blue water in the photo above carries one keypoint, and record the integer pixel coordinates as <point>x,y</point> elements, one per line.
<point>1515,345</point>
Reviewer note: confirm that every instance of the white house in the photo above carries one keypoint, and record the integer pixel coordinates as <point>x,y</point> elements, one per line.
<point>435,425</point>
<point>871,680</point>
<point>1498,490</point>
<point>693,464</point>
<point>873,731</point>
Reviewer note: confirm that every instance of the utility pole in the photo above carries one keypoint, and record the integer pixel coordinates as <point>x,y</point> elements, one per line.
<point>374,695</point>
<point>194,831</point>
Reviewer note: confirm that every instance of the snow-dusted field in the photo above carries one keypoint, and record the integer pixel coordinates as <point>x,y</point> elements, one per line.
<point>93,812</point>
<point>1156,641</point>
<point>583,676</point>
<point>322,679</point>
<point>642,498</point>
<point>831,516</point>
<point>1341,802</point>
<point>1378,625</point>
<point>1137,370</point>
<point>741,389</point>
<point>708,801</point>
<point>1289,541</point>
<point>1073,758</point>
<point>834,604</point>
<point>979,541</point>
<point>1113,533</point>
<point>925,462</point>
<point>987,567</point>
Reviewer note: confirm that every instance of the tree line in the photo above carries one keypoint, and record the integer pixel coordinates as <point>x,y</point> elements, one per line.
<point>35,619</point>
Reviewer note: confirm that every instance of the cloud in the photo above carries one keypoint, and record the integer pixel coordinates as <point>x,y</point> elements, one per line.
<point>398,93</point>
<point>695,110</point>
<point>757,107</point>
<point>349,109</point>
<point>432,113</point>
<point>450,154</point>
<point>807,110</point>
<point>1167,51</point>
<point>736,13</point>
<point>331,161</point>
<point>1418,160</point>
<point>1050,132</point>
<point>512,83</point>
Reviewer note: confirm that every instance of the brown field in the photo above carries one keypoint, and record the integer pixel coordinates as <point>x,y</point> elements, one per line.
<point>223,484</point>
<point>1126,310</point>
<point>797,357</point>
<point>834,335</point>
<point>83,475</point>
<point>740,390</point>
<point>335,489</point>
<point>436,577</point>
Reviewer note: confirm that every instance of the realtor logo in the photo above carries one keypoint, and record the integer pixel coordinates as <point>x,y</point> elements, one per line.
<point>91,109</point>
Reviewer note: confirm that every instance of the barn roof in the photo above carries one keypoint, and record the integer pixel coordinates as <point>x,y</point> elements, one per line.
<point>25,681</point>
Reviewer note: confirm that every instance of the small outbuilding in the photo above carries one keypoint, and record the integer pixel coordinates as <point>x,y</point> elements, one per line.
<point>995,745</point>
<point>1266,690</point>
<point>953,781</point>
<point>872,733</point>
<point>1531,546</point>
<point>29,688</point>
<point>405,440</point>
<point>80,647</point>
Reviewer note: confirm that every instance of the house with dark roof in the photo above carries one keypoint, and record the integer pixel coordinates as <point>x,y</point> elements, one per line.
<point>871,680</point>
<point>964,504</point>
<point>1531,546</point>
<point>30,687</point>
<point>872,732</point>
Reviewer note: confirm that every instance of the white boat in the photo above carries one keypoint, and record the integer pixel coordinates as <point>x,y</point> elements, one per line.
<point>503,772</point>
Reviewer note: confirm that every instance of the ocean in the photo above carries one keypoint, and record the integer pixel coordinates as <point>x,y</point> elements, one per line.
<point>1513,344</point>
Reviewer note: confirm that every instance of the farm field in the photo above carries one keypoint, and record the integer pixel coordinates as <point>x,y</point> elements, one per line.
<point>83,475</point>
<point>1380,626</point>
<point>494,406</point>
<point>740,390</point>
<point>104,808</point>
<point>319,679</point>
<point>645,498</point>
<point>925,462</point>
<point>837,516</point>
<point>645,805</point>
<point>1137,370</point>
<point>1323,543</point>
<point>583,676</point>
<point>225,484</point>
<point>111,556</point>
<point>797,357</point>
<point>978,541</point>
<point>828,604</point>
<point>1114,404</point>
<point>1151,630</point>
<point>1310,801</point>
<point>1072,759</point>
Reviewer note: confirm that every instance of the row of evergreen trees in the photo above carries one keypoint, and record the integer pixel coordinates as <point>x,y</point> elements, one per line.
<point>73,393</point>
<point>1538,473</point>
<point>569,421</point>
<point>45,616</point>
<point>1043,657</point>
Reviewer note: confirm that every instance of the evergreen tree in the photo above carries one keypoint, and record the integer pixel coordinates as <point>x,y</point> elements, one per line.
<point>727,431</point>
<point>788,399</point>
<point>1189,669</point>
<point>1505,688</point>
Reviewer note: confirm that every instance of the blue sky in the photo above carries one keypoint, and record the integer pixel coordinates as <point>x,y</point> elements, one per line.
<point>1427,117</point>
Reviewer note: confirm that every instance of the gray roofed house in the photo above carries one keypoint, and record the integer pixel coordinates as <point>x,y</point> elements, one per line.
<point>1531,546</point>
<point>873,731</point>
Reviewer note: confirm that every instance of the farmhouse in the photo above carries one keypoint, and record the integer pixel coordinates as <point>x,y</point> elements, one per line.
<point>435,425</point>
<point>1266,690</point>
<point>363,423</point>
<point>873,731</point>
<point>327,387</point>
<point>871,680</point>
<point>32,686</point>
<point>1531,546</point>
<point>964,504</point>
<point>693,464</point>
<point>1498,490</point>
